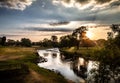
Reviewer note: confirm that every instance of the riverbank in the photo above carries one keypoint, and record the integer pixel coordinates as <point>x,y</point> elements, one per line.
<point>86,53</point>
<point>18,64</point>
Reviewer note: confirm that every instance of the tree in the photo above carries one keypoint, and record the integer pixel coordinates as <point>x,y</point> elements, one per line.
<point>17,43</point>
<point>26,42</point>
<point>54,41</point>
<point>64,41</point>
<point>100,42</point>
<point>79,34</point>
<point>46,42</point>
<point>11,42</point>
<point>115,28</point>
<point>110,35</point>
<point>109,58</point>
<point>114,42</point>
<point>54,38</point>
<point>68,41</point>
<point>3,40</point>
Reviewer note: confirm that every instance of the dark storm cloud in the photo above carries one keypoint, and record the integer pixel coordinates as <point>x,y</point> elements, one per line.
<point>79,1</point>
<point>67,1</point>
<point>86,1</point>
<point>112,2</point>
<point>116,3</point>
<point>102,1</point>
<point>82,1</point>
<point>59,23</point>
<point>16,4</point>
<point>48,29</point>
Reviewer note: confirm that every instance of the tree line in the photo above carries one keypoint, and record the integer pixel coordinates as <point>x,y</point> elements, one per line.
<point>77,39</point>
<point>9,42</point>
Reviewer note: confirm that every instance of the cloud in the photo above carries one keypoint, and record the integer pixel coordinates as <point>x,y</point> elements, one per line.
<point>116,3</point>
<point>59,23</point>
<point>102,1</point>
<point>88,4</point>
<point>16,4</point>
<point>10,35</point>
<point>49,29</point>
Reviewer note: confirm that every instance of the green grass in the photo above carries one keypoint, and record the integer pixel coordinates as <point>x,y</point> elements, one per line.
<point>19,64</point>
<point>81,52</point>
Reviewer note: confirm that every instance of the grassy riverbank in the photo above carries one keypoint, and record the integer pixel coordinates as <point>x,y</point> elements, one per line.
<point>88,53</point>
<point>18,64</point>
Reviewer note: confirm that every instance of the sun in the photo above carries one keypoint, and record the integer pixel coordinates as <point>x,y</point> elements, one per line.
<point>89,34</point>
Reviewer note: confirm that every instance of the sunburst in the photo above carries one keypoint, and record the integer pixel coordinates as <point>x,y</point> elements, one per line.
<point>89,34</point>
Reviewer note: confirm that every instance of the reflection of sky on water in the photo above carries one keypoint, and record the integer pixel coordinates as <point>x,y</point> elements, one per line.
<point>55,63</point>
<point>58,65</point>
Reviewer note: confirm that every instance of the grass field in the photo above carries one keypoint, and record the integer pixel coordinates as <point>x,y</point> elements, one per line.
<point>18,65</point>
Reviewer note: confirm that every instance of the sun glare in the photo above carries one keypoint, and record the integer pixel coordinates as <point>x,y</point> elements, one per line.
<point>89,34</point>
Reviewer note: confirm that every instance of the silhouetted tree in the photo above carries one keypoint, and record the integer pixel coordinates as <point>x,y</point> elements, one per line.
<point>115,28</point>
<point>110,35</point>
<point>54,38</point>
<point>17,43</point>
<point>46,42</point>
<point>54,41</point>
<point>3,40</point>
<point>68,41</point>
<point>11,42</point>
<point>79,34</point>
<point>64,41</point>
<point>26,42</point>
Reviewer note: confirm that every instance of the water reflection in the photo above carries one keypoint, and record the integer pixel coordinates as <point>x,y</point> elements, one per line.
<point>76,70</point>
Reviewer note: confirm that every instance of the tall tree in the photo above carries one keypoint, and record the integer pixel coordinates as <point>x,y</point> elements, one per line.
<point>79,34</point>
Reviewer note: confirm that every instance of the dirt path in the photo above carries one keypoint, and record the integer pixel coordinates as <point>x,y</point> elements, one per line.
<point>8,57</point>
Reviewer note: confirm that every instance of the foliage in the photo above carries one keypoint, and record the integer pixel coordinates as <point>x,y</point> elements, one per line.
<point>3,41</point>
<point>46,43</point>
<point>109,58</point>
<point>54,41</point>
<point>26,42</point>
<point>11,42</point>
<point>79,34</point>
<point>68,41</point>
<point>54,38</point>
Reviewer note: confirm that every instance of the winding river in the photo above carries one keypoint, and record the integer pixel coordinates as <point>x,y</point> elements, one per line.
<point>77,70</point>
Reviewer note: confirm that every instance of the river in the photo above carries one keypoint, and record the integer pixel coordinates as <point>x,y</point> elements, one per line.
<point>78,70</point>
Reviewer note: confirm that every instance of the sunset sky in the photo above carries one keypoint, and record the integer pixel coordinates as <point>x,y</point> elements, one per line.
<point>38,19</point>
